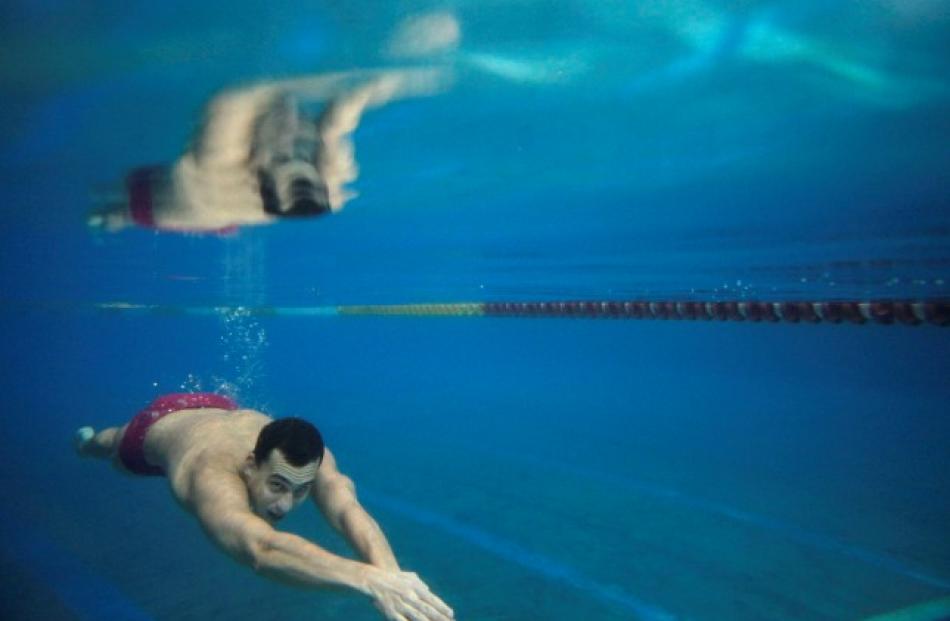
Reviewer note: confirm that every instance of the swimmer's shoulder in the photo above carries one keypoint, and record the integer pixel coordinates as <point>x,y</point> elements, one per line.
<point>204,471</point>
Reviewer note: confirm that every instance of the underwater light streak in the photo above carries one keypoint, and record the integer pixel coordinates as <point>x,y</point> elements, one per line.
<point>512,552</point>
<point>712,35</point>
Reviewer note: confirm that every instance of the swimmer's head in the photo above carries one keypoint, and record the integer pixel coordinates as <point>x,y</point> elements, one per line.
<point>293,191</point>
<point>279,472</point>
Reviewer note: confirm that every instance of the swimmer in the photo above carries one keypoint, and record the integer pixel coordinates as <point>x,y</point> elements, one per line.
<point>239,473</point>
<point>259,157</point>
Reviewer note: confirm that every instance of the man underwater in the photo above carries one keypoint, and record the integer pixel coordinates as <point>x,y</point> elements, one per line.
<point>259,157</point>
<point>239,472</point>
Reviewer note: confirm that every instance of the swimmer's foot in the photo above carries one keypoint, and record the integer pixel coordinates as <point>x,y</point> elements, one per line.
<point>109,218</point>
<point>82,438</point>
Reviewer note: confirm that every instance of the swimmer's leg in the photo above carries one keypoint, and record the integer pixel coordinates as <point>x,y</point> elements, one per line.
<point>103,444</point>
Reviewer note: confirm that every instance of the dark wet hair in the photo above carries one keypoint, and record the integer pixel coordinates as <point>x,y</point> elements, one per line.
<point>305,197</point>
<point>299,441</point>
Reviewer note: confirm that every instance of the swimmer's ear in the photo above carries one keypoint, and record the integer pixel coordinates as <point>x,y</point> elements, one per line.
<point>249,465</point>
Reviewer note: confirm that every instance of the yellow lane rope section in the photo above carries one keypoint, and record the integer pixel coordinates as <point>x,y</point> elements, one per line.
<point>420,310</point>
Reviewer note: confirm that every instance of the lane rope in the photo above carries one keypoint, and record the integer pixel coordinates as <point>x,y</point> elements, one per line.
<point>905,312</point>
<point>881,312</point>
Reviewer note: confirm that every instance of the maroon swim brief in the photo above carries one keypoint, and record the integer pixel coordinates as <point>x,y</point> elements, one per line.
<point>131,450</point>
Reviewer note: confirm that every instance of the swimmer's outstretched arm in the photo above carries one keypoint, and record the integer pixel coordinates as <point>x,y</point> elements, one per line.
<point>220,502</point>
<point>373,87</point>
<point>335,496</point>
<point>384,84</point>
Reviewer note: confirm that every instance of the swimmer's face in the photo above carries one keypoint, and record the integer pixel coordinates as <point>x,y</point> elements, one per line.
<point>275,486</point>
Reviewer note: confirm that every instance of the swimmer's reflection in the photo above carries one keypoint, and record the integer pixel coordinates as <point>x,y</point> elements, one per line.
<point>259,156</point>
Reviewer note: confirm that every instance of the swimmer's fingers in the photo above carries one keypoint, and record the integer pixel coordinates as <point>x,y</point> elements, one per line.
<point>402,596</point>
<point>430,600</point>
<point>390,610</point>
<point>412,607</point>
<point>435,603</point>
<point>418,610</point>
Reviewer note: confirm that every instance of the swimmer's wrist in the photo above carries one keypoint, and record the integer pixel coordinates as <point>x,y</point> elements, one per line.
<point>363,579</point>
<point>369,580</point>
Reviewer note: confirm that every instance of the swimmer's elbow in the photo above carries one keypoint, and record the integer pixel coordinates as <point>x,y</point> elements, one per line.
<point>245,543</point>
<point>258,553</point>
<point>283,557</point>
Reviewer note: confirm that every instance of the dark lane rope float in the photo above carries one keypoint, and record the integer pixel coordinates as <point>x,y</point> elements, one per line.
<point>881,312</point>
<point>884,312</point>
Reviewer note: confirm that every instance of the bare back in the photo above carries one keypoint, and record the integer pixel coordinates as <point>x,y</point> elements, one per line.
<point>207,439</point>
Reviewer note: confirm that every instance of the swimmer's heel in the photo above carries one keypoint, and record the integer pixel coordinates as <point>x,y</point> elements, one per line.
<point>82,438</point>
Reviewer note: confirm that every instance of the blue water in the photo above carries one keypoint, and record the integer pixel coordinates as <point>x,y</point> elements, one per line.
<point>526,469</point>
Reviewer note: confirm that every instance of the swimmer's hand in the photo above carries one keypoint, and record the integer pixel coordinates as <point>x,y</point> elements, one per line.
<point>402,596</point>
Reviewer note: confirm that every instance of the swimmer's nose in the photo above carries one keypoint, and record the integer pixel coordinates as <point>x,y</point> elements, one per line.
<point>283,506</point>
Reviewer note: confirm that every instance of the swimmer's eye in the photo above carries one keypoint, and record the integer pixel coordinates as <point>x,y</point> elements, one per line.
<point>276,486</point>
<point>300,492</point>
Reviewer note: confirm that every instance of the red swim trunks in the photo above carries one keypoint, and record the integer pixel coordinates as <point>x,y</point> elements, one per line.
<point>139,184</point>
<point>131,450</point>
